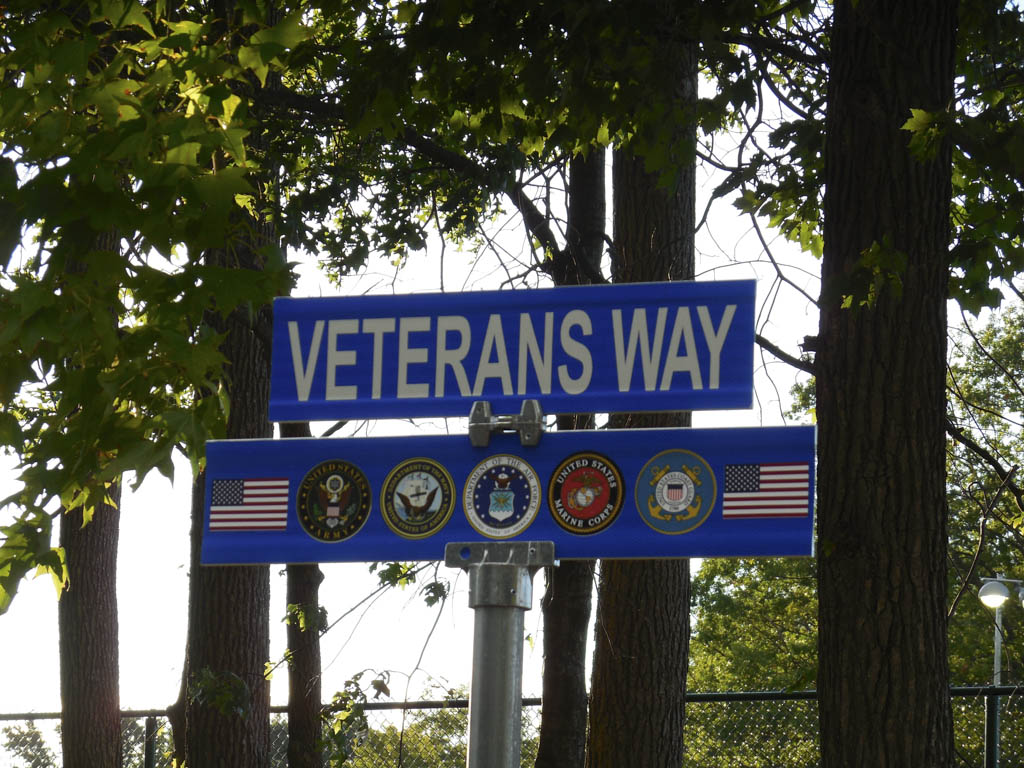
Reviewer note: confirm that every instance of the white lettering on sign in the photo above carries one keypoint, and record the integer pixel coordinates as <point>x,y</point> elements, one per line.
<point>409,355</point>
<point>377,327</point>
<point>304,372</point>
<point>576,350</point>
<point>650,350</point>
<point>447,357</point>
<point>339,357</point>
<point>676,360</point>
<point>497,368</point>
<point>715,339</point>
<point>539,356</point>
<point>422,356</point>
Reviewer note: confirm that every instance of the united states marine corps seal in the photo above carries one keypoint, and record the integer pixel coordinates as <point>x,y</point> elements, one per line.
<point>502,496</point>
<point>417,498</point>
<point>675,492</point>
<point>333,501</point>
<point>585,493</point>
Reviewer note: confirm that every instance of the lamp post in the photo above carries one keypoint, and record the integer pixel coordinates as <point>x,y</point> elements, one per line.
<point>994,593</point>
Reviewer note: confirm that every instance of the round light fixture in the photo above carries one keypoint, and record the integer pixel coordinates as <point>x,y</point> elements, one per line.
<point>993,593</point>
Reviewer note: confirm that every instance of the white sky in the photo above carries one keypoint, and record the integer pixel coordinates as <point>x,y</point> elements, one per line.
<point>392,632</point>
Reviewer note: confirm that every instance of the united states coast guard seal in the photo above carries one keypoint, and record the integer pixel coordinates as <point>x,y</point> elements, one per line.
<point>417,498</point>
<point>502,496</point>
<point>585,493</point>
<point>675,492</point>
<point>333,501</point>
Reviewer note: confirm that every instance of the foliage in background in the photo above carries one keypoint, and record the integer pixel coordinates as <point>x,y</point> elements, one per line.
<point>117,117</point>
<point>755,620</point>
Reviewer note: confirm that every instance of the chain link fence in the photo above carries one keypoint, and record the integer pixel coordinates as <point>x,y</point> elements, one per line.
<point>723,730</point>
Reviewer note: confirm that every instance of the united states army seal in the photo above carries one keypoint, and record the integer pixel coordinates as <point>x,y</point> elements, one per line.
<point>417,498</point>
<point>585,493</point>
<point>502,496</point>
<point>333,501</point>
<point>675,492</point>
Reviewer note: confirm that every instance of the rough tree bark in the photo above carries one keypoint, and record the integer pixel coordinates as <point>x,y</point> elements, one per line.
<point>305,718</point>
<point>566,604</point>
<point>883,676</point>
<point>87,620</point>
<point>87,624</point>
<point>642,631</point>
<point>222,716</point>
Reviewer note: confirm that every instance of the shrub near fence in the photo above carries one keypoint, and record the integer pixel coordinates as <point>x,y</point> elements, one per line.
<point>723,730</point>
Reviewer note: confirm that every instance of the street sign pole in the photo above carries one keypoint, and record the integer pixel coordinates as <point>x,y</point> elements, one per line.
<point>500,593</point>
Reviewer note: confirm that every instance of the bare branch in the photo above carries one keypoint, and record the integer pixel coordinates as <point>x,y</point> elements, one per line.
<point>804,365</point>
<point>1006,481</point>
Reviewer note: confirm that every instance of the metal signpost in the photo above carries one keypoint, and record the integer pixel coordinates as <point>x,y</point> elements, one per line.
<point>512,499</point>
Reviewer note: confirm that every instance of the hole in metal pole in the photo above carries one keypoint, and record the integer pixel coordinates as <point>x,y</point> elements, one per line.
<point>464,553</point>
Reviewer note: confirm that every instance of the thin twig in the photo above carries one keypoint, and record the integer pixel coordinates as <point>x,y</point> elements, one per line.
<point>981,540</point>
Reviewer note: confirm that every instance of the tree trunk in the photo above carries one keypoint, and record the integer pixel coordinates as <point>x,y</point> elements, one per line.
<point>223,708</point>
<point>87,623</point>
<point>883,676</point>
<point>567,598</point>
<point>643,623</point>
<point>87,618</point>
<point>305,720</point>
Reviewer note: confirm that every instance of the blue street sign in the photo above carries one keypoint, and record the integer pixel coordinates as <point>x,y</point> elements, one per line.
<point>646,346</point>
<point>622,494</point>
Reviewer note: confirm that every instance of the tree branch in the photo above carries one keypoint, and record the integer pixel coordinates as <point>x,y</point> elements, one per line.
<point>1004,475</point>
<point>1008,480</point>
<point>806,366</point>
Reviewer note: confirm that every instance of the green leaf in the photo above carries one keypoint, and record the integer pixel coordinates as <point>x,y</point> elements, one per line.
<point>250,57</point>
<point>287,33</point>
<point>218,190</point>
<point>185,153</point>
<point>919,120</point>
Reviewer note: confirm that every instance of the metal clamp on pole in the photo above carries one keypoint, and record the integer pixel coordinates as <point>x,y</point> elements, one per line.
<point>482,422</point>
<point>500,593</point>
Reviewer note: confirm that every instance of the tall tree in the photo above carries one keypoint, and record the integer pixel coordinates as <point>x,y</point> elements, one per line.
<point>566,604</point>
<point>87,613</point>
<point>883,671</point>
<point>642,631</point>
<point>87,623</point>
<point>225,692</point>
<point>305,623</point>
<point>225,707</point>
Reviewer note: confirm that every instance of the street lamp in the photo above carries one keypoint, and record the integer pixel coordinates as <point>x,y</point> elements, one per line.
<point>994,593</point>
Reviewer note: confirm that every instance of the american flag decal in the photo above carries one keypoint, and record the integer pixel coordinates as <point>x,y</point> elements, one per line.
<point>249,505</point>
<point>766,490</point>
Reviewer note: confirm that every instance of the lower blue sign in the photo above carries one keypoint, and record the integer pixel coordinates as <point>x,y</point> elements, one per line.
<point>649,493</point>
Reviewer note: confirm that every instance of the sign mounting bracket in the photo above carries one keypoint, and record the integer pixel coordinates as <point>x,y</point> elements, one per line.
<point>482,422</point>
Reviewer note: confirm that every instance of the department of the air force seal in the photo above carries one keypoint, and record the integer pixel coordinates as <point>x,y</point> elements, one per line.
<point>585,493</point>
<point>502,496</point>
<point>333,501</point>
<point>417,498</point>
<point>675,492</point>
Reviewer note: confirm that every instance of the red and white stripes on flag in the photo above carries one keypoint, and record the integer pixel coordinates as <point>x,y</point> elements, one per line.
<point>249,505</point>
<point>766,490</point>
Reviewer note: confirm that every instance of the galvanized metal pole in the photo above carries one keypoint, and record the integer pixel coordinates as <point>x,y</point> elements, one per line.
<point>500,593</point>
<point>992,702</point>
